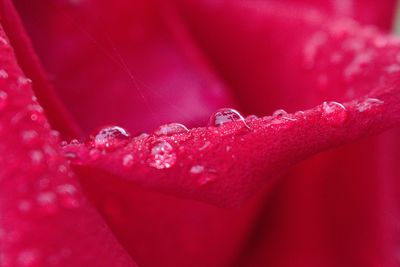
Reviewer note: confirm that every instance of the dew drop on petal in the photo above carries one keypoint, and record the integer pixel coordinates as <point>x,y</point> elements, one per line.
<point>127,161</point>
<point>94,154</point>
<point>28,258</point>
<point>225,115</point>
<point>47,201</point>
<point>196,169</point>
<point>3,74</point>
<point>279,113</point>
<point>334,113</point>
<point>24,206</point>
<point>251,117</point>
<point>37,157</point>
<point>29,137</point>
<point>170,129</point>
<point>206,178</point>
<point>3,99</point>
<point>368,104</point>
<point>162,156</point>
<point>67,196</point>
<point>111,138</point>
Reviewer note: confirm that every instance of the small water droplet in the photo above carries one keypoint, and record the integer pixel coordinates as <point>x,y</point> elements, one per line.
<point>37,157</point>
<point>206,144</point>
<point>3,74</point>
<point>74,142</point>
<point>24,206</point>
<point>23,80</point>
<point>226,115</point>
<point>30,137</point>
<point>334,113</point>
<point>206,178</point>
<point>162,156</point>
<point>67,196</point>
<point>62,168</point>
<point>28,258</point>
<point>251,117</point>
<point>3,41</point>
<point>63,143</point>
<point>3,99</point>
<point>127,160</point>
<point>94,154</point>
<point>47,200</point>
<point>196,169</point>
<point>111,138</point>
<point>368,104</point>
<point>170,129</point>
<point>279,113</point>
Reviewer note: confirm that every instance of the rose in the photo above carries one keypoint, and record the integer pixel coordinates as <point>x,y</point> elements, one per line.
<point>337,208</point>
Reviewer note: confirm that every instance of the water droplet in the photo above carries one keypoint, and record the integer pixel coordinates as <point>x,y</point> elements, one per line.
<point>62,168</point>
<point>94,154</point>
<point>63,143</point>
<point>23,80</point>
<point>393,68</point>
<point>3,99</point>
<point>279,113</point>
<point>170,129</point>
<point>30,137</point>
<point>251,117</point>
<point>334,113</point>
<point>206,144</point>
<point>280,116</point>
<point>47,201</point>
<point>37,157</point>
<point>67,196</point>
<point>111,138</point>
<point>196,169</point>
<point>28,258</point>
<point>3,74</point>
<point>206,178</point>
<point>142,136</point>
<point>3,41</point>
<point>162,156</point>
<point>74,142</point>
<point>127,160</point>
<point>368,104</point>
<point>24,205</point>
<point>226,115</point>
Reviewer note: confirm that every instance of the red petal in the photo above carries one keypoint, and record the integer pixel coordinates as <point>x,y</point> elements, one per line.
<point>45,219</point>
<point>241,159</point>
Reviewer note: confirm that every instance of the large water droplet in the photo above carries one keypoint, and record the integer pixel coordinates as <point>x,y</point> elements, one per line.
<point>111,138</point>
<point>225,115</point>
<point>162,156</point>
<point>170,129</point>
<point>334,113</point>
<point>3,99</point>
